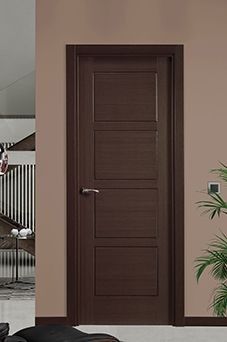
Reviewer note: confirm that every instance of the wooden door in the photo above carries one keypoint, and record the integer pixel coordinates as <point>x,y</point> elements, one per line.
<point>124,154</point>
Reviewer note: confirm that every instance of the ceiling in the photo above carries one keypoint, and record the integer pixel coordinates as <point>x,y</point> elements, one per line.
<point>17,40</point>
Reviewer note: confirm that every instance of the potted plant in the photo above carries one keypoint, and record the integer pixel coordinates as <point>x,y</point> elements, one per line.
<point>215,256</point>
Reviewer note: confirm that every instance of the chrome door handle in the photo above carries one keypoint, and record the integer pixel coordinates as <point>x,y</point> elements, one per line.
<point>85,191</point>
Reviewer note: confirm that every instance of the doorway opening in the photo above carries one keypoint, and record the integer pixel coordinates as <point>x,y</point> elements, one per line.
<point>125,177</point>
<point>17,182</point>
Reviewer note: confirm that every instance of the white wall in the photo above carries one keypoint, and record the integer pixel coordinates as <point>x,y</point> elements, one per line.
<point>19,97</point>
<point>21,157</point>
<point>17,37</point>
<point>13,130</point>
<point>17,57</point>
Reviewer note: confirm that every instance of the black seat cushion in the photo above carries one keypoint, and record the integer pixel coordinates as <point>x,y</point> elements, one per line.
<point>59,333</point>
<point>14,339</point>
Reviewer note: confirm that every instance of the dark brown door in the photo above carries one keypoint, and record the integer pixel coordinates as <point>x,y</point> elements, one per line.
<point>125,229</point>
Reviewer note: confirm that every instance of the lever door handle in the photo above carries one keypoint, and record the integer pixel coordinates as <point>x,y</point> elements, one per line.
<point>85,191</point>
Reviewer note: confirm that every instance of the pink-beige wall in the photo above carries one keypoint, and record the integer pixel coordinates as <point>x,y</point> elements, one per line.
<point>198,24</point>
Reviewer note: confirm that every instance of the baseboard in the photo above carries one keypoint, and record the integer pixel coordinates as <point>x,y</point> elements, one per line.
<point>188,321</point>
<point>205,321</point>
<point>51,320</point>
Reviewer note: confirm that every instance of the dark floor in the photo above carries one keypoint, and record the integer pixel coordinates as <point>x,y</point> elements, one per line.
<point>24,289</point>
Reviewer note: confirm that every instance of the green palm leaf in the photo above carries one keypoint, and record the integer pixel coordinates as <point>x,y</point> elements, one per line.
<point>215,257</point>
<point>217,262</point>
<point>219,269</point>
<point>219,303</point>
<point>215,206</point>
<point>221,172</point>
<point>220,243</point>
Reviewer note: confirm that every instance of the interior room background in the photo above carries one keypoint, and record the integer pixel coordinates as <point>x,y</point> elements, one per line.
<point>201,27</point>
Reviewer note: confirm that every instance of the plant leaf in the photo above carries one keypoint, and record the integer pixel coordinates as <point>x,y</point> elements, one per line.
<point>221,172</point>
<point>214,257</point>
<point>219,303</point>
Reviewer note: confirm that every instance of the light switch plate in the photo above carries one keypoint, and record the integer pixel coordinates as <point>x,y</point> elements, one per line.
<point>214,187</point>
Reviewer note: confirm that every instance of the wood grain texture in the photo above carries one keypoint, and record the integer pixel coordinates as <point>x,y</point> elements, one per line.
<point>125,155</point>
<point>127,271</point>
<point>142,309</point>
<point>205,321</point>
<point>125,96</point>
<point>126,213</point>
<point>137,262</point>
<point>72,183</point>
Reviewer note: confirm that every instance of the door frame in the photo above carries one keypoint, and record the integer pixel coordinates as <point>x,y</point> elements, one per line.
<point>175,54</point>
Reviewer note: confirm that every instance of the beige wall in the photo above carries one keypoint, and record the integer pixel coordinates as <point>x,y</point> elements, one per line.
<point>198,24</point>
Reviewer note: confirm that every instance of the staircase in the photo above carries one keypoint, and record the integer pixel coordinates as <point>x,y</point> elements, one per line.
<point>26,144</point>
<point>17,198</point>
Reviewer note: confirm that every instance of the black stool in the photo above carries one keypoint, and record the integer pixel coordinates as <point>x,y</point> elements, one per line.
<point>56,333</point>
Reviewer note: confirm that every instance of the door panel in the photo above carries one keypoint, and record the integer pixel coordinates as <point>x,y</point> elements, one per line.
<point>124,233</point>
<point>125,155</point>
<point>125,96</point>
<point>116,268</point>
<point>126,213</point>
